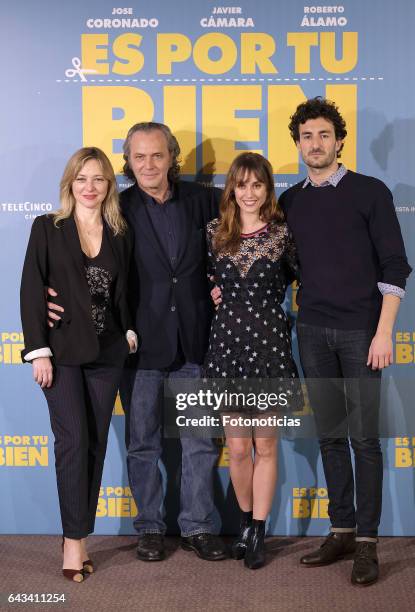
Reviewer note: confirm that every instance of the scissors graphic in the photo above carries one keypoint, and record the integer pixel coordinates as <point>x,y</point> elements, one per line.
<point>77,70</point>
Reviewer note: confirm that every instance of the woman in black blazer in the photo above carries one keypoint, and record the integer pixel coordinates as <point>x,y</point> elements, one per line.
<point>83,252</point>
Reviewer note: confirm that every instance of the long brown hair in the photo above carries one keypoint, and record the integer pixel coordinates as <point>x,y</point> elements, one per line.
<point>110,206</point>
<point>228,233</point>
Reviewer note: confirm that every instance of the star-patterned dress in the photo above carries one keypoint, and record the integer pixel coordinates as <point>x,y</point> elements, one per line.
<point>250,335</point>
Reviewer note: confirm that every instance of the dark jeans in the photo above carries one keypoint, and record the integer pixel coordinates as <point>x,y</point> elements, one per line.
<point>345,396</point>
<point>142,394</point>
<point>81,400</point>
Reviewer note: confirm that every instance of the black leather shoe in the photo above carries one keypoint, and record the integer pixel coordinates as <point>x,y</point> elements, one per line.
<point>255,550</point>
<point>206,545</point>
<point>238,548</point>
<point>366,565</point>
<point>334,548</point>
<point>151,547</point>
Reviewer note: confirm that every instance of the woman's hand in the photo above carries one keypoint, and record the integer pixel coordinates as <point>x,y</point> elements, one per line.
<point>133,344</point>
<point>132,340</point>
<point>43,371</point>
<point>216,295</point>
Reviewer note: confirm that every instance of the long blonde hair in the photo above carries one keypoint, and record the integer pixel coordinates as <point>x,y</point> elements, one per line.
<point>228,233</point>
<point>110,206</point>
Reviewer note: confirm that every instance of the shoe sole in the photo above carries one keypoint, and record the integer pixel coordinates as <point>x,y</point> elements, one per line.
<point>364,584</point>
<point>346,556</point>
<point>188,547</point>
<point>254,567</point>
<point>142,558</point>
<point>322,564</point>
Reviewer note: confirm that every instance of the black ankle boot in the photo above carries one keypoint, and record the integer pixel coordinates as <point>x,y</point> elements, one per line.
<point>238,548</point>
<point>255,550</point>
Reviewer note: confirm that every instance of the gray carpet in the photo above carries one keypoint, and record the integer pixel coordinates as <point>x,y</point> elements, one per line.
<point>31,564</point>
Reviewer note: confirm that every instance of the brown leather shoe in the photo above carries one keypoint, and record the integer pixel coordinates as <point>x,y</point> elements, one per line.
<point>366,565</point>
<point>334,548</point>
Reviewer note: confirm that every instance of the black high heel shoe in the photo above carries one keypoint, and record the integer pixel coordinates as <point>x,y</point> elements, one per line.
<point>255,550</point>
<point>75,575</point>
<point>238,548</point>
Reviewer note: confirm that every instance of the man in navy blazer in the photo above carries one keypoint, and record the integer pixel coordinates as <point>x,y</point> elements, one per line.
<point>171,302</point>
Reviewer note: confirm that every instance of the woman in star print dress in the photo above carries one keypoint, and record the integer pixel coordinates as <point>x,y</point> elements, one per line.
<point>253,260</point>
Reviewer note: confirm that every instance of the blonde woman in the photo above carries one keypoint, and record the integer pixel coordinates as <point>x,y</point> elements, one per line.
<point>83,252</point>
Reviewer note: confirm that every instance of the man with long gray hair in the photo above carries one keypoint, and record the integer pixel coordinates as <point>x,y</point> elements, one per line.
<point>170,295</point>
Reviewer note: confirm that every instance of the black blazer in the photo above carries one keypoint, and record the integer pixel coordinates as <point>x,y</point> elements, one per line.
<point>54,259</point>
<point>170,300</point>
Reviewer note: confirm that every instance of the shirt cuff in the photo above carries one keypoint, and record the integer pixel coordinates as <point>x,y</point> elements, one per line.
<point>385,288</point>
<point>131,335</point>
<point>42,352</point>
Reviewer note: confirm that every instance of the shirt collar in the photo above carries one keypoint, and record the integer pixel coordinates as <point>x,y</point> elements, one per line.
<point>150,201</point>
<point>333,180</point>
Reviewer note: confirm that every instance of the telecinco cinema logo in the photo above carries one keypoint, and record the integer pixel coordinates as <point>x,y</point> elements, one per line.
<point>28,209</point>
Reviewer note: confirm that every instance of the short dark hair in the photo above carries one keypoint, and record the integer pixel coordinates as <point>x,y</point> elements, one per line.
<point>313,109</point>
<point>172,145</point>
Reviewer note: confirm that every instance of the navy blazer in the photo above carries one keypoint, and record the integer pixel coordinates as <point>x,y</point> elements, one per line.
<point>54,259</point>
<point>168,300</point>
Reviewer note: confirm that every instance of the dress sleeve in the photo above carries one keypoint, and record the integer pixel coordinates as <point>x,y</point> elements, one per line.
<point>291,264</point>
<point>211,260</point>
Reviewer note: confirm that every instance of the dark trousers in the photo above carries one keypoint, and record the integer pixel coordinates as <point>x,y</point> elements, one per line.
<point>345,395</point>
<point>142,394</point>
<point>80,402</point>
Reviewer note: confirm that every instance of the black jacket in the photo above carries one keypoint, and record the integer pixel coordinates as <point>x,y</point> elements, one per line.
<point>54,259</point>
<point>170,301</point>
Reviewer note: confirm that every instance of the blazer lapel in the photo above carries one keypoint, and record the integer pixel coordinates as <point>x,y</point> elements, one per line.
<point>116,246</point>
<point>185,209</point>
<point>73,243</point>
